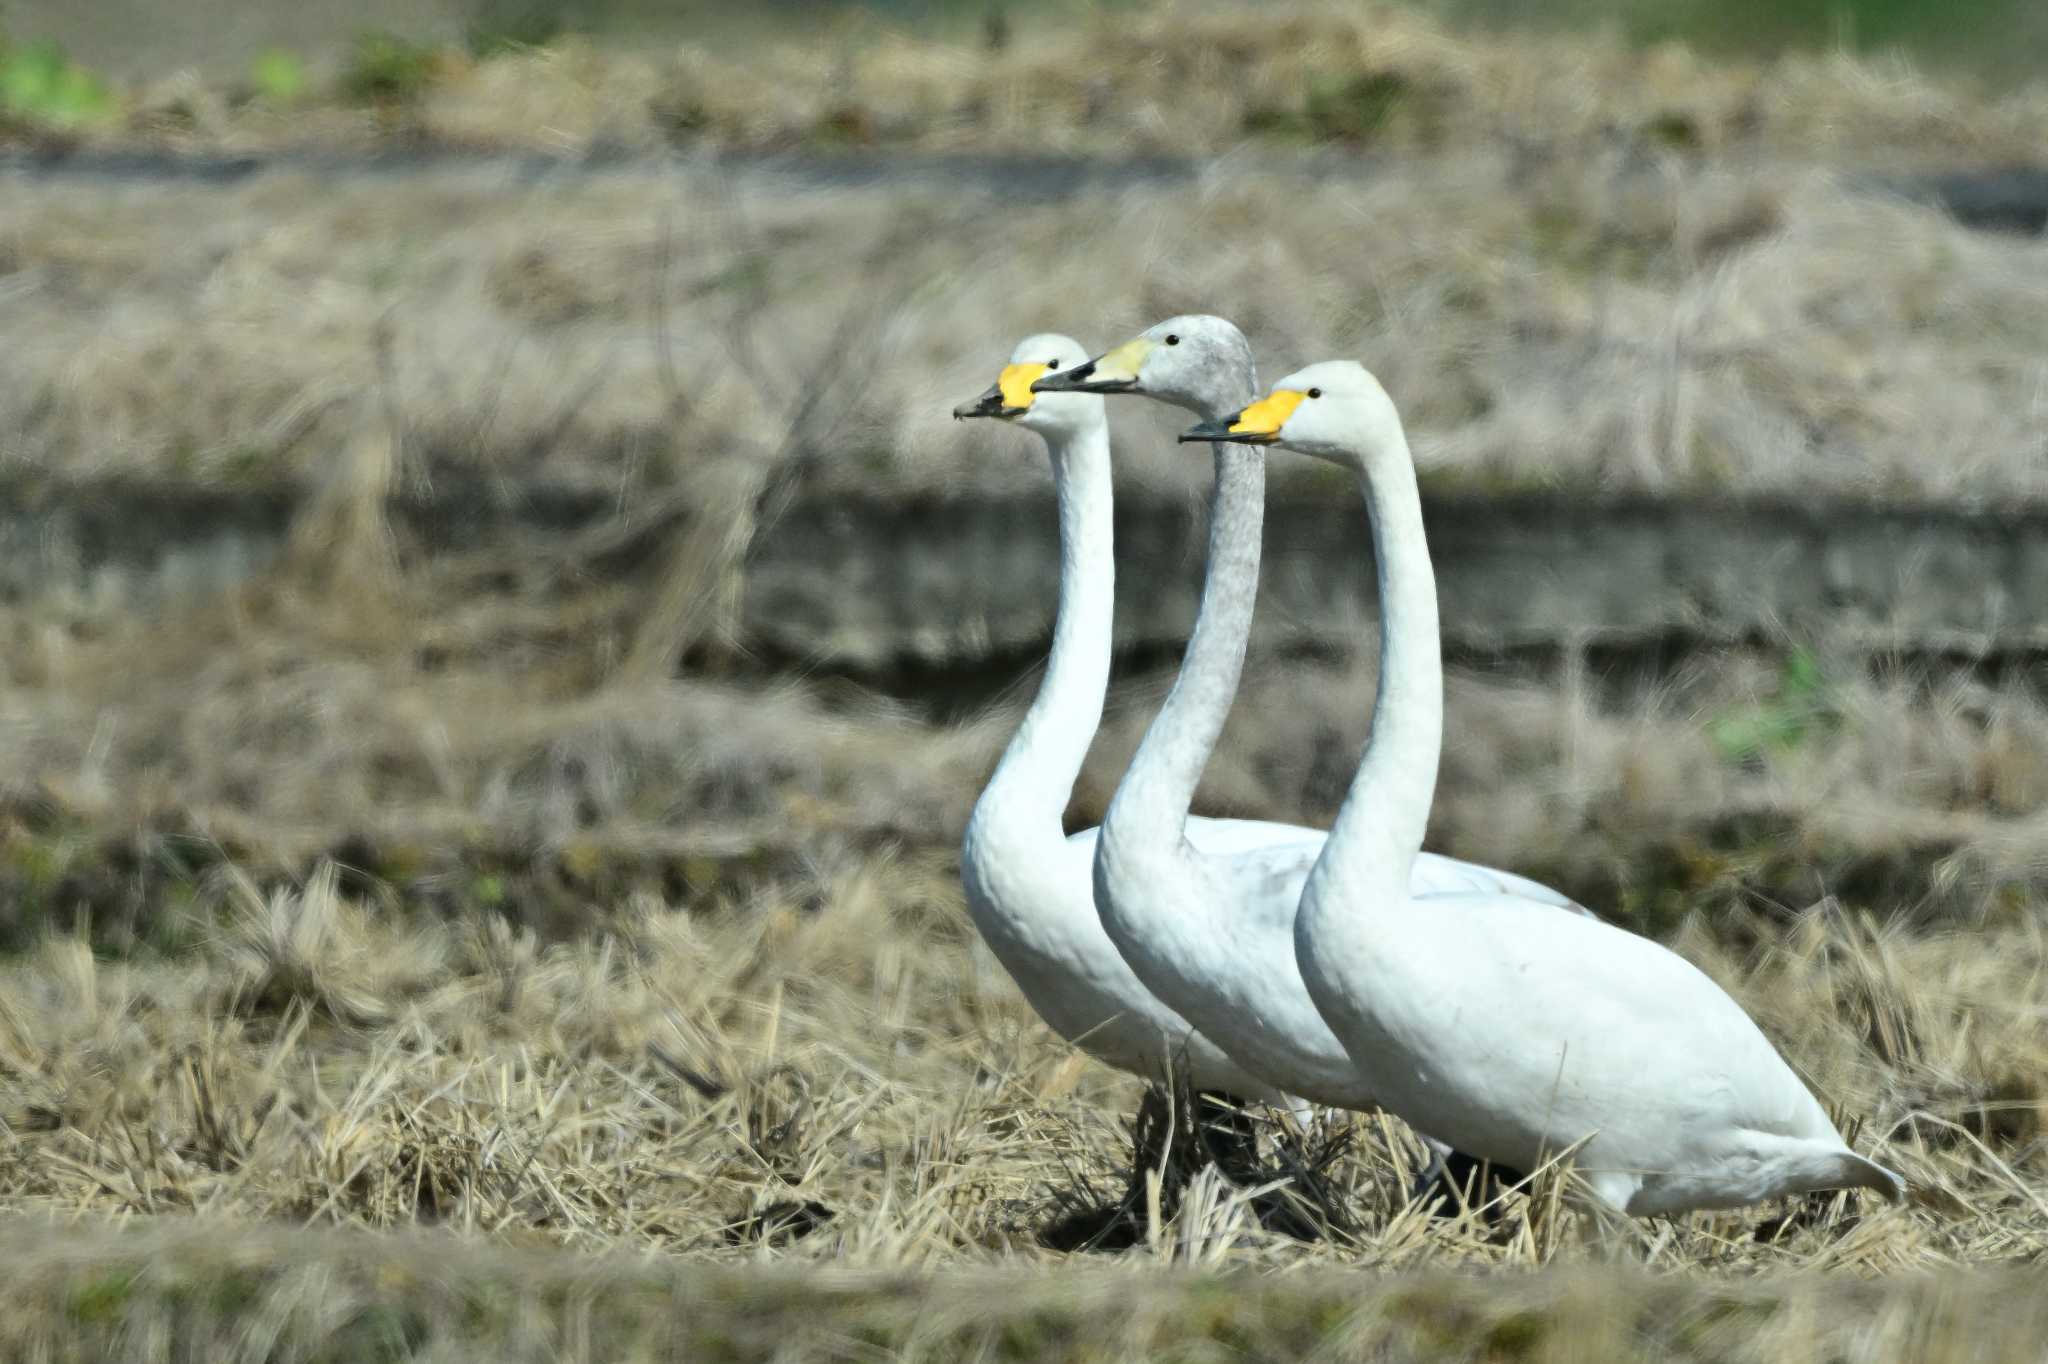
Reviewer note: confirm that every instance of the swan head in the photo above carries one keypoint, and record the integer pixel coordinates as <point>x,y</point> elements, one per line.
<point>1193,361</point>
<point>1334,410</point>
<point>1011,398</point>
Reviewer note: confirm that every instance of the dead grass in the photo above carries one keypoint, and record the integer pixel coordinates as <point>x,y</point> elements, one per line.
<point>1606,321</point>
<point>860,1087</point>
<point>323,1295</point>
<point>484,731</point>
<point>1176,77</point>
<point>1161,77</point>
<point>823,1067</point>
<point>628,1008</point>
<point>513,712</point>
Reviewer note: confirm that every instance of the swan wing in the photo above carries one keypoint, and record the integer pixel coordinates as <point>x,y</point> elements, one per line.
<point>1433,873</point>
<point>1563,1027</point>
<point>1232,837</point>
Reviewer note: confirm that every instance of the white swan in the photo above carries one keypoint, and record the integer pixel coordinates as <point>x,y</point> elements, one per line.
<point>1511,1034</point>
<point>1211,931</point>
<point>1028,885</point>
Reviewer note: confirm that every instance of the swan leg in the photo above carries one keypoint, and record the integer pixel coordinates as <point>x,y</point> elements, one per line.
<point>1151,1134</point>
<point>1429,1181</point>
<point>1453,1181</point>
<point>1499,1179</point>
<point>1120,1224</point>
<point>1178,1134</point>
<point>1229,1135</point>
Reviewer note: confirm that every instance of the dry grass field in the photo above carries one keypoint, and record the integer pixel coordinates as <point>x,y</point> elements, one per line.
<point>1611,318</point>
<point>854,1086</point>
<point>1115,78</point>
<point>666,342</point>
<point>480,955</point>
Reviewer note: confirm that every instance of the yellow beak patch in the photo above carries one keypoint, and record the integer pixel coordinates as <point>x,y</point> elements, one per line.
<point>1120,364</point>
<point>1015,384</point>
<point>1266,416</point>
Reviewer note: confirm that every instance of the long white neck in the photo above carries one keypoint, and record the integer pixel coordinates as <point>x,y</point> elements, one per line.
<point>1159,787</point>
<point>1036,775</point>
<point>1380,828</point>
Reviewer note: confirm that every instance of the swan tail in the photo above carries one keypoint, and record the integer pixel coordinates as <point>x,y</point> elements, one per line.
<point>1852,1171</point>
<point>1798,1165</point>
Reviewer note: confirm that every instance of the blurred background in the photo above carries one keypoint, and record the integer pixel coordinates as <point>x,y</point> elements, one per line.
<point>1986,37</point>
<point>476,489</point>
<point>590,365</point>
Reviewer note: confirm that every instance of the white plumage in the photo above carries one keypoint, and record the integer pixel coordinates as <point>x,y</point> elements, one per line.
<point>1513,1034</point>
<point>1210,928</point>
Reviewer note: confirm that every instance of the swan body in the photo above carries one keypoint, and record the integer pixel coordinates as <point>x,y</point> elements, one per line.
<point>1028,886</point>
<point>1514,1035</point>
<point>1580,1031</point>
<point>1208,924</point>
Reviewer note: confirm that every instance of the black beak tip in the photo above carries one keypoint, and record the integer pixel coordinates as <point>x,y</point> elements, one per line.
<point>1064,381</point>
<point>988,410</point>
<point>989,404</point>
<point>1209,431</point>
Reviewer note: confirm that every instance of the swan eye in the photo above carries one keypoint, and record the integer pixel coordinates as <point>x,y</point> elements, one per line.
<point>1315,393</point>
<point>1172,340</point>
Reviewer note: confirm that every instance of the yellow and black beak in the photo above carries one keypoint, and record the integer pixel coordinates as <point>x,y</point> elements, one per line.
<point>1113,371</point>
<point>1009,396</point>
<point>989,404</point>
<point>1259,424</point>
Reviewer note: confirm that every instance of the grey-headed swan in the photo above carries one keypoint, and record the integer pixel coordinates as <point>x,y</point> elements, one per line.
<point>1211,930</point>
